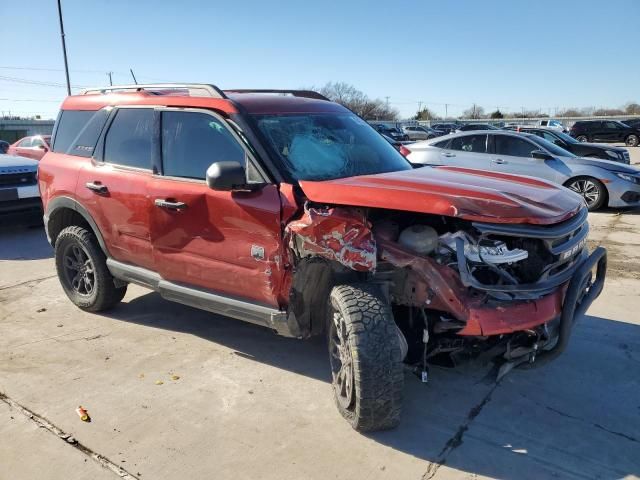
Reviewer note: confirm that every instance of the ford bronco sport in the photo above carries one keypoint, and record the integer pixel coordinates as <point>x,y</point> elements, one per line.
<point>286,210</point>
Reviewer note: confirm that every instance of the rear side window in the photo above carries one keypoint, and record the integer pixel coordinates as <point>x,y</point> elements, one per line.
<point>442,144</point>
<point>85,142</point>
<point>129,139</point>
<point>26,142</point>
<point>70,123</point>
<point>192,141</point>
<point>513,146</point>
<point>470,143</point>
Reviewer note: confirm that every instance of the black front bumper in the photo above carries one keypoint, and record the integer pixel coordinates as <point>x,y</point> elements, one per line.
<point>583,289</point>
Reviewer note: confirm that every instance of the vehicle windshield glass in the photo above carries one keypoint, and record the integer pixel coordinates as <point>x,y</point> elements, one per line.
<point>328,146</point>
<point>552,148</point>
<point>565,137</point>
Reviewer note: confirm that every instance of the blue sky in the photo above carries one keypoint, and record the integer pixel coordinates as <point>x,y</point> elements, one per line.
<point>512,54</point>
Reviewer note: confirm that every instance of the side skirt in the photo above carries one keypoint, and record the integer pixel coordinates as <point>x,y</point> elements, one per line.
<point>205,300</point>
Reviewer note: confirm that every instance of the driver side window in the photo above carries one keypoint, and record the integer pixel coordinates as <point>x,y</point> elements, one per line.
<point>192,141</point>
<point>470,143</point>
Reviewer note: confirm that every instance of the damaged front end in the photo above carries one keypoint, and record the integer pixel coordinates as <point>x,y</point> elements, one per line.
<point>459,289</point>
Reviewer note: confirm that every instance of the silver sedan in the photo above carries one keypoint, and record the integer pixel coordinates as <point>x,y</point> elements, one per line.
<point>600,182</point>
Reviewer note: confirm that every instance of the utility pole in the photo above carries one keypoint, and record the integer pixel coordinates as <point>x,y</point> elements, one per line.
<point>387,103</point>
<point>110,79</point>
<point>446,111</point>
<point>64,48</point>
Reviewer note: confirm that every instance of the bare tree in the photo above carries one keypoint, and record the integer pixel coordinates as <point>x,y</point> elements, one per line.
<point>352,98</point>
<point>632,108</point>
<point>474,112</point>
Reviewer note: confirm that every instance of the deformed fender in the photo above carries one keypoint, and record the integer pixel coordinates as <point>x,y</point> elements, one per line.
<point>339,234</point>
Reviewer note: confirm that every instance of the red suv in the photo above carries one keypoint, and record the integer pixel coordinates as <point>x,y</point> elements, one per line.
<point>286,210</point>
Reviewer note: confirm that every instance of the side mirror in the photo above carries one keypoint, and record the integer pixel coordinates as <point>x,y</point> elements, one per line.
<point>541,155</point>
<point>226,176</point>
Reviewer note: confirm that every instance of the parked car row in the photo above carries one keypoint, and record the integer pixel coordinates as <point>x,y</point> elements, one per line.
<point>543,153</point>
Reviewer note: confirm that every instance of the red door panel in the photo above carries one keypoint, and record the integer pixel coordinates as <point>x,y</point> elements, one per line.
<point>122,212</point>
<point>226,242</point>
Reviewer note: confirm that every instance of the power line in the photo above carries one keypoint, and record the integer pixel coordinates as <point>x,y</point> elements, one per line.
<point>28,100</point>
<point>37,82</point>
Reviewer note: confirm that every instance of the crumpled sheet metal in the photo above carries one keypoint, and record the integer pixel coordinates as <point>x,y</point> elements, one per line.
<point>339,234</point>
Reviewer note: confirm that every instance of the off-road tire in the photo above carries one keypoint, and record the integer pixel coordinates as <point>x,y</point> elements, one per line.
<point>104,294</point>
<point>374,346</point>
<point>632,140</point>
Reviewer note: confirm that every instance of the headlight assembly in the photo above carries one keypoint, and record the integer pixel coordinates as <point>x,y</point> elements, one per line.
<point>628,177</point>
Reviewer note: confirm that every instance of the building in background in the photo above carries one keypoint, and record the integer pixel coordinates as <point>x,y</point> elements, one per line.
<point>12,130</point>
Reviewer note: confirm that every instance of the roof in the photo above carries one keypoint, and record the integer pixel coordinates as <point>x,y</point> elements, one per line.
<point>275,103</point>
<point>468,133</point>
<point>191,95</point>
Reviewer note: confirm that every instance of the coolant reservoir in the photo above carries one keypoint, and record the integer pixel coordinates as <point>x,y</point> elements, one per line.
<point>421,239</point>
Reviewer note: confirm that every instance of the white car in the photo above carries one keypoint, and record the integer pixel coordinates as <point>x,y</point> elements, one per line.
<point>19,194</point>
<point>600,182</point>
<point>556,124</point>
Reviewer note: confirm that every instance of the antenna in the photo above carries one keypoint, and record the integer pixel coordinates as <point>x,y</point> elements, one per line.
<point>110,79</point>
<point>134,77</point>
<point>64,48</point>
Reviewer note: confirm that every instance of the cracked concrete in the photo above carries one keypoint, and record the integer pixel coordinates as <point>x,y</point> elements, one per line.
<point>248,404</point>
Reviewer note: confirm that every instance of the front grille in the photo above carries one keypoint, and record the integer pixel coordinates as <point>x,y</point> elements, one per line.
<point>21,179</point>
<point>554,250</point>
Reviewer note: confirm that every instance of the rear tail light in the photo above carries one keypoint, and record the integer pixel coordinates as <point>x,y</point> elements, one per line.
<point>404,150</point>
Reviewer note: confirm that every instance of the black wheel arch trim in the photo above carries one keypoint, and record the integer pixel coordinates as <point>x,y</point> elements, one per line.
<point>67,202</point>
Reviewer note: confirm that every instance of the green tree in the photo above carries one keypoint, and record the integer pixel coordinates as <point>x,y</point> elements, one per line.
<point>496,114</point>
<point>425,114</point>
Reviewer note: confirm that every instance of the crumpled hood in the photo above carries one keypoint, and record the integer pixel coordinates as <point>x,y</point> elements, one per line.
<point>469,194</point>
<point>10,162</point>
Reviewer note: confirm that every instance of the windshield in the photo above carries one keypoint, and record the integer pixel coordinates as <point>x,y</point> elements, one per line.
<point>327,146</point>
<point>565,137</point>
<point>552,148</point>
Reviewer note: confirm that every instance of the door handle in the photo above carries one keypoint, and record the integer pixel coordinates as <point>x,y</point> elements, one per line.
<point>499,161</point>
<point>169,204</point>
<point>449,154</point>
<point>97,187</point>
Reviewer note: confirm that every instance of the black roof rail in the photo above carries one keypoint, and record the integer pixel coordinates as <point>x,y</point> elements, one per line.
<point>295,93</point>
<point>194,89</point>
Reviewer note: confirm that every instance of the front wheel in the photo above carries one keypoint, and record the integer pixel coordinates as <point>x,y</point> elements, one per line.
<point>632,140</point>
<point>82,271</point>
<point>592,190</point>
<point>365,357</point>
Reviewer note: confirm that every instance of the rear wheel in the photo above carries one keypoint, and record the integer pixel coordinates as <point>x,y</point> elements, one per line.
<point>632,140</point>
<point>365,357</point>
<point>83,271</point>
<point>592,190</point>
<point>582,138</point>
